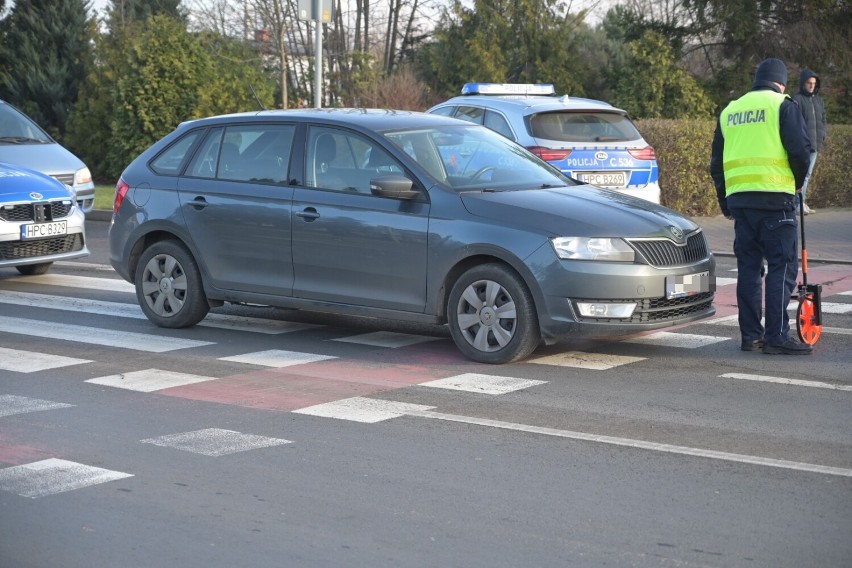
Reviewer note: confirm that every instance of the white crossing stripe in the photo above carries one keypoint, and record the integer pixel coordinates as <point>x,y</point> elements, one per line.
<point>387,339</point>
<point>783,381</point>
<point>277,358</point>
<point>834,308</point>
<point>731,321</point>
<point>11,404</point>
<point>215,442</point>
<point>97,336</point>
<point>87,266</point>
<point>638,444</point>
<point>85,282</point>
<point>30,362</point>
<point>149,380</point>
<point>721,281</point>
<point>486,384</point>
<point>845,293</point>
<point>361,409</point>
<point>583,360</point>
<point>682,340</point>
<point>52,476</point>
<point>133,311</point>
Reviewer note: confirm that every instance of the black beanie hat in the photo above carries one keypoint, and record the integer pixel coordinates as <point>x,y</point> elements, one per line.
<point>771,70</point>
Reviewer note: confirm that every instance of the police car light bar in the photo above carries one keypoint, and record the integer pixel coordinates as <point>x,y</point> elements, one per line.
<point>508,89</point>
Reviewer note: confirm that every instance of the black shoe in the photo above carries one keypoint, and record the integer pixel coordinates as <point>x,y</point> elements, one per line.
<point>751,345</point>
<point>789,347</point>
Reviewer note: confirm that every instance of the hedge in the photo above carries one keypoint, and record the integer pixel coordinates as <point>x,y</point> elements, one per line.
<point>683,154</point>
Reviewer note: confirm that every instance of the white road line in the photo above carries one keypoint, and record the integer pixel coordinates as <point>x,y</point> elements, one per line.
<point>52,476</point>
<point>30,361</point>
<point>85,282</point>
<point>11,405</point>
<point>97,336</point>
<point>133,311</point>
<point>485,384</point>
<point>835,308</point>
<point>638,444</point>
<point>731,321</point>
<point>386,339</point>
<point>86,265</point>
<point>783,381</point>
<point>149,380</point>
<point>215,442</point>
<point>681,340</point>
<point>721,281</point>
<point>362,409</point>
<point>583,360</point>
<point>277,358</point>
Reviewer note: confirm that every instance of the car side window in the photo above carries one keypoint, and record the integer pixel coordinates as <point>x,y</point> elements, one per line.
<point>470,114</point>
<point>204,163</point>
<point>445,110</point>
<point>346,161</point>
<point>496,122</point>
<point>169,161</point>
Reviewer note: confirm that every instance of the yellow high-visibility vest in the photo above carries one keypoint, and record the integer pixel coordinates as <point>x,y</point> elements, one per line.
<point>754,158</point>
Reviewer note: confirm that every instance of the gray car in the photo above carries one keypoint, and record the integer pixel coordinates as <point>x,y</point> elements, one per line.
<point>398,215</point>
<point>24,143</point>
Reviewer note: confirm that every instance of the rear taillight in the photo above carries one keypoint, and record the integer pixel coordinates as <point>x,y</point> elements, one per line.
<point>121,189</point>
<point>646,153</point>
<point>549,154</point>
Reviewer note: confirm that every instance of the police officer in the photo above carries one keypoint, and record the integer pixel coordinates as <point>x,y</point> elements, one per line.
<point>760,158</point>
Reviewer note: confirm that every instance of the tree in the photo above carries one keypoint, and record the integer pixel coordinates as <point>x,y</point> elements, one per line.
<point>45,49</point>
<point>653,84</point>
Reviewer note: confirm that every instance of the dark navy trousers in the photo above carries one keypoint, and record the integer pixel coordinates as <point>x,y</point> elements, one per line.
<point>770,235</point>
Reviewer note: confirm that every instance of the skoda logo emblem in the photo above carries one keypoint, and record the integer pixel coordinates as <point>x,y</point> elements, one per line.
<point>601,156</point>
<point>37,196</point>
<point>676,233</point>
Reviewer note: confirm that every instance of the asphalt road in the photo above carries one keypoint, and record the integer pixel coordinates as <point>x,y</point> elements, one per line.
<point>269,437</point>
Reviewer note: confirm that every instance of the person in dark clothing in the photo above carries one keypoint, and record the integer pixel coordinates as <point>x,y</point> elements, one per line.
<point>759,162</point>
<point>813,113</point>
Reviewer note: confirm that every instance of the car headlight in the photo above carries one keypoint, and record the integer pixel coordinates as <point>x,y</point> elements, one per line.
<point>592,248</point>
<point>82,176</point>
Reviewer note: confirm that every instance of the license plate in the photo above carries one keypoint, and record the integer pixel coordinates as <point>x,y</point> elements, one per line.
<point>687,285</point>
<point>41,230</point>
<point>604,179</point>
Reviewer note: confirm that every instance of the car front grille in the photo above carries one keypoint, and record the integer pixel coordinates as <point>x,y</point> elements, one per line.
<point>27,211</point>
<point>667,253</point>
<point>16,250</point>
<point>652,310</point>
<point>67,179</point>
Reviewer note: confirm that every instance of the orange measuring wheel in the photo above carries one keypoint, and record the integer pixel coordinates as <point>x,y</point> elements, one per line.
<point>808,322</point>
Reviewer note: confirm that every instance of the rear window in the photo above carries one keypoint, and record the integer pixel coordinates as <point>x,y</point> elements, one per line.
<point>583,127</point>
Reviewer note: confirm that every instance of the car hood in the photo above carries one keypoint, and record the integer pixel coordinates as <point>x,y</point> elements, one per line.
<point>51,159</point>
<point>17,183</point>
<point>580,211</point>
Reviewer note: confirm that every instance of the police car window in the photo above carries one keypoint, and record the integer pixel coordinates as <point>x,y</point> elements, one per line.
<point>169,161</point>
<point>583,127</point>
<point>470,114</point>
<point>445,111</point>
<point>497,123</point>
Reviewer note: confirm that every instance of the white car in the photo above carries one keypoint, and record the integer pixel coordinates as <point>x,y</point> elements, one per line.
<point>40,221</point>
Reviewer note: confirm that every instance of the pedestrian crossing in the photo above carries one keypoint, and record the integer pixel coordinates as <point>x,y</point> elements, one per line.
<point>329,383</point>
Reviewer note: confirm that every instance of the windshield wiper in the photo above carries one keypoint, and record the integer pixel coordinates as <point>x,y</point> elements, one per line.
<point>20,140</point>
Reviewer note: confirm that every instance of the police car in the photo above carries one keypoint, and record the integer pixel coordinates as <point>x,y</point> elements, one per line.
<point>40,221</point>
<point>589,140</point>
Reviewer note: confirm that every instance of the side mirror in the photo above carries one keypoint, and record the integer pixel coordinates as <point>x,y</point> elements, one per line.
<point>395,186</point>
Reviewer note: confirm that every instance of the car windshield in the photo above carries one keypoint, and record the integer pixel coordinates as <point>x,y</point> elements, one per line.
<point>16,128</point>
<point>583,127</point>
<point>475,158</point>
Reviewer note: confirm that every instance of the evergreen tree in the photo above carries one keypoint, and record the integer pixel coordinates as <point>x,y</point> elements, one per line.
<point>46,47</point>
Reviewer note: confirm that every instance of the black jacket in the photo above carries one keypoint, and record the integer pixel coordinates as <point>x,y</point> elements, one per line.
<point>795,141</point>
<point>813,111</point>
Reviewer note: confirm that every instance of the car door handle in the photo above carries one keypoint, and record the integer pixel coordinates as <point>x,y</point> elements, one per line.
<point>310,214</point>
<point>199,203</point>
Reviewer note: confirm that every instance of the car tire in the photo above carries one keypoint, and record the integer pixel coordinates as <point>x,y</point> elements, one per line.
<point>492,315</point>
<point>169,287</point>
<point>34,269</point>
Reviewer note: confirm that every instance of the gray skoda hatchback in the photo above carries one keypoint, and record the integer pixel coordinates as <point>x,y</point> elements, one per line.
<point>392,214</point>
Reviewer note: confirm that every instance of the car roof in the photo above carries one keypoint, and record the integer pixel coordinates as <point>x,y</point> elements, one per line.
<point>371,119</point>
<point>531,104</point>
